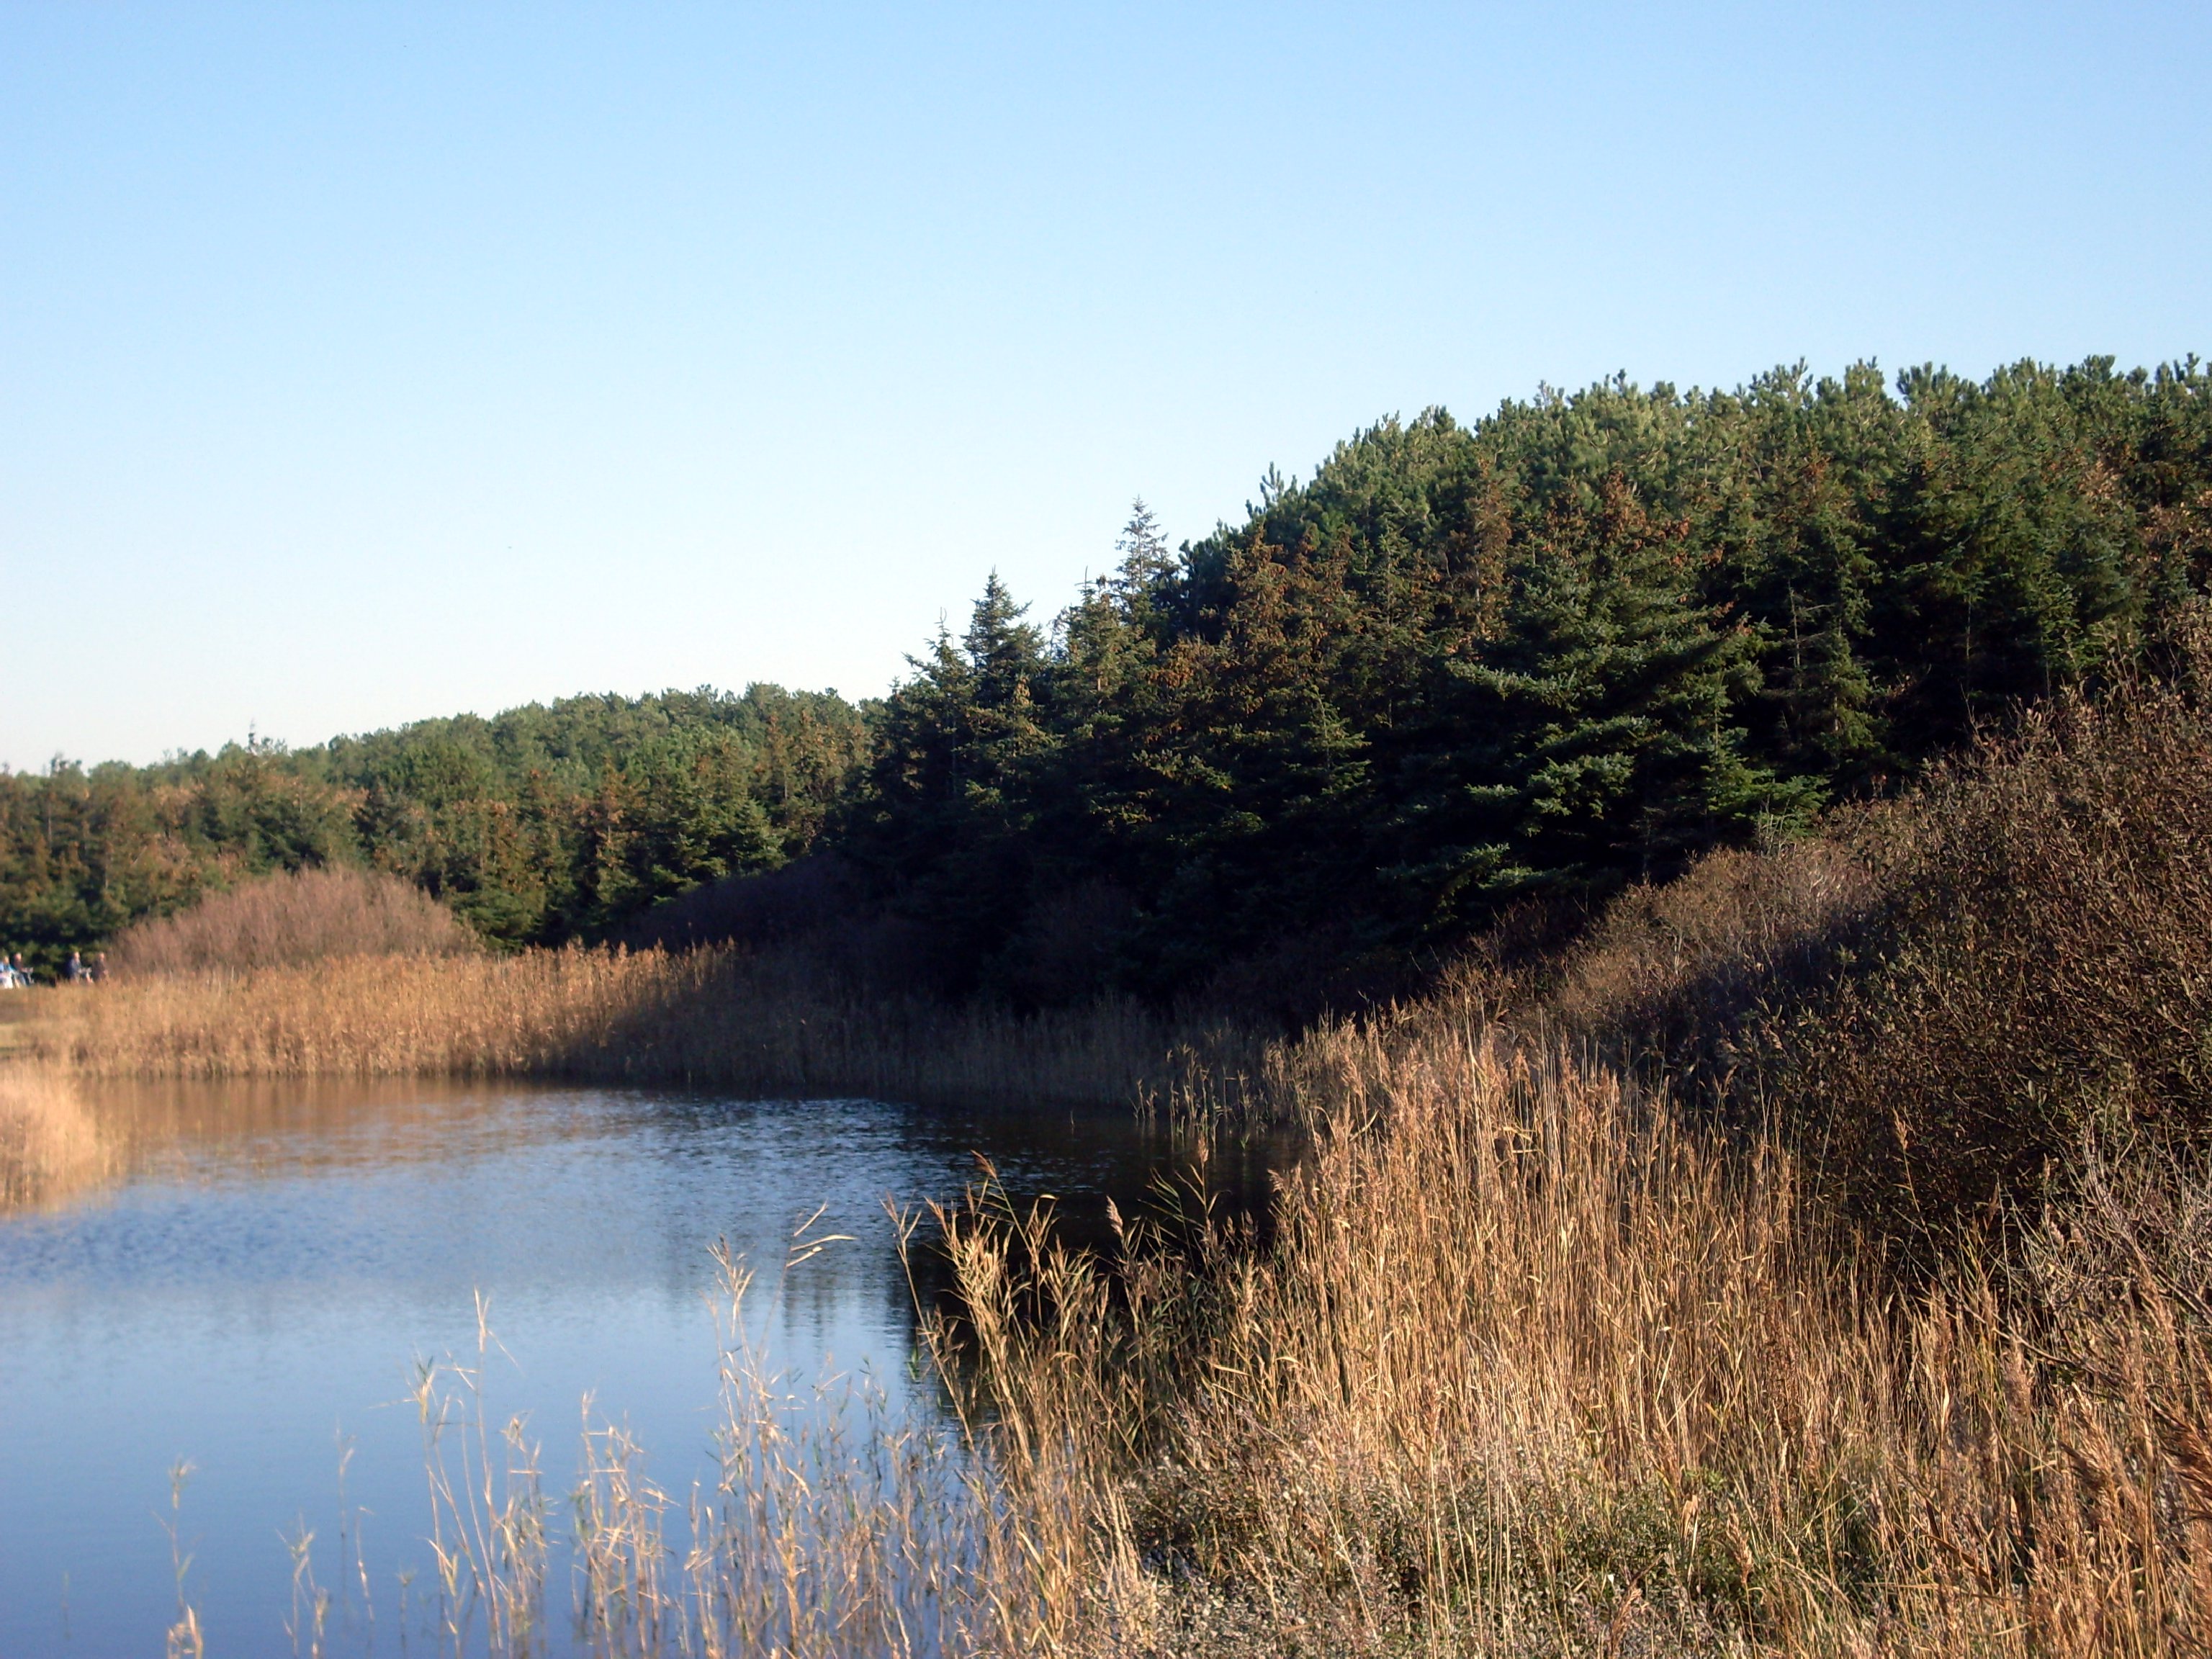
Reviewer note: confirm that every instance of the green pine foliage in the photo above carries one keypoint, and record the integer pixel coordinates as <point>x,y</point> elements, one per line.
<point>1567,647</point>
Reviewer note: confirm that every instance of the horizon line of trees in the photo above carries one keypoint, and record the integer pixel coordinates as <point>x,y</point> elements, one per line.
<point>1460,669</point>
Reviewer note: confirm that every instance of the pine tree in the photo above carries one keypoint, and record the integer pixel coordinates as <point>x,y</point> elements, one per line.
<point>1146,561</point>
<point>1591,739</point>
<point>960,748</point>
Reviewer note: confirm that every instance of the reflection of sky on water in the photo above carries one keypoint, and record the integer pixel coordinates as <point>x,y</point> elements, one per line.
<point>263,1281</point>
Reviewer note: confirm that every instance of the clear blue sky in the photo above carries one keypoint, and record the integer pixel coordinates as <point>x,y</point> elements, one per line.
<point>361,362</point>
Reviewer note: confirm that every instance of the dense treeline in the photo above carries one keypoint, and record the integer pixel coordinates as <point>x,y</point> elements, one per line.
<point>1566,648</point>
<point>541,824</point>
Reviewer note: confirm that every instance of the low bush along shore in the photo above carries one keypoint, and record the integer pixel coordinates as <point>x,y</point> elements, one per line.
<point>1817,1261</point>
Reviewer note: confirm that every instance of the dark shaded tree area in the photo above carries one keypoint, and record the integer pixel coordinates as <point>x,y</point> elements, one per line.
<point>540,825</point>
<point>1564,648</point>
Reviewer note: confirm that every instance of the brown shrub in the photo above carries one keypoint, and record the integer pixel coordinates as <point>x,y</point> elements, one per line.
<point>1944,999</point>
<point>2037,973</point>
<point>283,920</point>
<point>1675,970</point>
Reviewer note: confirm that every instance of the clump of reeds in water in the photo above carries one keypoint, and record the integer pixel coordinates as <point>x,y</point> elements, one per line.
<point>832,1527</point>
<point>50,1145</point>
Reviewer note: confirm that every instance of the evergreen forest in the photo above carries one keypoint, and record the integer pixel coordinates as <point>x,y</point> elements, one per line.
<point>537,826</point>
<point>1461,672</point>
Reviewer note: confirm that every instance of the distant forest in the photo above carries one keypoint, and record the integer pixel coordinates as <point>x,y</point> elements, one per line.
<point>537,826</point>
<point>1462,668</point>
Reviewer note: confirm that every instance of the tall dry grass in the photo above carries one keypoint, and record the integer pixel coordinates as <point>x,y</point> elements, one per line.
<point>831,1525</point>
<point>758,1021</point>
<point>1538,1369</point>
<point>283,920</point>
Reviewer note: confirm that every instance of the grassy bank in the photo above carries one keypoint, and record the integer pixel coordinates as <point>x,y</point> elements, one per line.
<point>1541,1367</point>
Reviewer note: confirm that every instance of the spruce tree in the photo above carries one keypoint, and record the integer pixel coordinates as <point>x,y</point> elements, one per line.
<point>1590,740</point>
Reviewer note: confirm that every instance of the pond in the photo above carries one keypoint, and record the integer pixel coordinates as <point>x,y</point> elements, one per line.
<point>253,1295</point>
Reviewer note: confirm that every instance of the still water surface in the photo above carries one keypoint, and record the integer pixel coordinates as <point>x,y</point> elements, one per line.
<point>254,1295</point>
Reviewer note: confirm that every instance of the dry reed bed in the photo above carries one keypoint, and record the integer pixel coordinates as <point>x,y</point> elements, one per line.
<point>1536,1370</point>
<point>709,1018</point>
<point>369,1015</point>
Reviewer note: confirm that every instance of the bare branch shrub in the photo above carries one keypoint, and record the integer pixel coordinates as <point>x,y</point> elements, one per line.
<point>2037,975</point>
<point>1946,998</point>
<point>283,920</point>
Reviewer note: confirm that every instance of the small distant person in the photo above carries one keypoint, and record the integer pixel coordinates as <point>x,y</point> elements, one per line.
<point>23,976</point>
<point>7,975</point>
<point>77,971</point>
<point>99,967</point>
